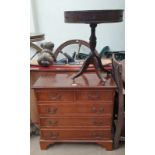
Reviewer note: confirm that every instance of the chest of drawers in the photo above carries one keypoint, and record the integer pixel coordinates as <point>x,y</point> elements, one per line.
<point>79,112</point>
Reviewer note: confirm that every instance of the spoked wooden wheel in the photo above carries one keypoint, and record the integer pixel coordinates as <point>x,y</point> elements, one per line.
<point>72,52</point>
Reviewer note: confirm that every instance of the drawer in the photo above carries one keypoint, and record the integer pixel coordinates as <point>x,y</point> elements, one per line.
<point>105,95</point>
<point>55,95</point>
<point>75,109</point>
<point>75,121</point>
<point>76,134</point>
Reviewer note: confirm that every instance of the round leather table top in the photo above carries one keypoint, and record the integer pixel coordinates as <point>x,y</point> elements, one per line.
<point>93,16</point>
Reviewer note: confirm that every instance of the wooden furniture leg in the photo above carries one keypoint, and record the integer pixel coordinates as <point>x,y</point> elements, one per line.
<point>118,131</point>
<point>84,67</point>
<point>44,144</point>
<point>107,145</point>
<point>93,58</point>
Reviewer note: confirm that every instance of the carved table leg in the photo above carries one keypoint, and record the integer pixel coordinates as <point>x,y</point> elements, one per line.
<point>84,66</point>
<point>93,58</point>
<point>98,70</point>
<point>44,145</point>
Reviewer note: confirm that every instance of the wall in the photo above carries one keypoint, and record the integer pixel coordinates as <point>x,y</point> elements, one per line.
<point>48,16</point>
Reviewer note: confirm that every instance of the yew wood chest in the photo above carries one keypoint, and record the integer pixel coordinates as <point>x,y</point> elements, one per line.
<point>75,112</point>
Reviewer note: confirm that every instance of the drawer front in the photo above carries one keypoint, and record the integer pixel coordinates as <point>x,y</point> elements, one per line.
<point>70,134</point>
<point>52,96</point>
<point>76,121</point>
<point>75,109</point>
<point>106,95</point>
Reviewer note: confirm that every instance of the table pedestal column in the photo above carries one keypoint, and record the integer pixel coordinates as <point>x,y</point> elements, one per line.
<point>93,58</point>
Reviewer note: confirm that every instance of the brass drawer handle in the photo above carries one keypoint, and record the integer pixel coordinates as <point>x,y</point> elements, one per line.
<point>93,96</point>
<point>101,110</point>
<point>99,123</point>
<point>53,135</point>
<point>55,97</point>
<point>53,111</point>
<point>52,122</point>
<point>93,109</point>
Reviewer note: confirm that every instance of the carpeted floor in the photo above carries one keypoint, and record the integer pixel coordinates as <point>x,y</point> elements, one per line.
<point>72,149</point>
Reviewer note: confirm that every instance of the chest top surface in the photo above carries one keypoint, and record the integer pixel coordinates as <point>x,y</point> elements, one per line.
<point>64,80</point>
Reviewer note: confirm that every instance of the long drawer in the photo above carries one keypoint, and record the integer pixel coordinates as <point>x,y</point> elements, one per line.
<point>76,134</point>
<point>75,109</point>
<point>75,121</point>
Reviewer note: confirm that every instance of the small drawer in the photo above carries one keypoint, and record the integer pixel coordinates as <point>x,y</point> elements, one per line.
<point>106,95</point>
<point>52,96</point>
<point>55,109</point>
<point>76,121</point>
<point>76,134</point>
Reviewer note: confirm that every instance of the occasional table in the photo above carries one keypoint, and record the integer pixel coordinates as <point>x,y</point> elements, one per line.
<point>93,17</point>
